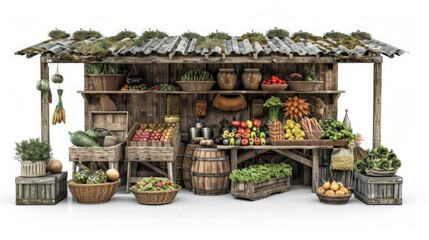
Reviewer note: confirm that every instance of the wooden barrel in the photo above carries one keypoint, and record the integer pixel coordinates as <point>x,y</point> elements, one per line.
<point>210,171</point>
<point>187,164</point>
<point>178,163</point>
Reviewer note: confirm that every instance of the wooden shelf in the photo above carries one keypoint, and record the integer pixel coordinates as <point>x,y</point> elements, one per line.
<point>212,92</point>
<point>87,94</point>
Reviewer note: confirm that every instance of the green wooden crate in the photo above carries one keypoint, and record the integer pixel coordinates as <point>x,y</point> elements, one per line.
<point>46,190</point>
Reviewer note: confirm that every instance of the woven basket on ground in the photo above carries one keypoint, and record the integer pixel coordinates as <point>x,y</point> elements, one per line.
<point>93,193</point>
<point>333,199</point>
<point>156,197</point>
<point>196,86</point>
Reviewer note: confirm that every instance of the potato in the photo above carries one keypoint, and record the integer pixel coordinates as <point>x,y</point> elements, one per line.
<point>345,190</point>
<point>321,190</point>
<point>329,192</point>
<point>340,193</point>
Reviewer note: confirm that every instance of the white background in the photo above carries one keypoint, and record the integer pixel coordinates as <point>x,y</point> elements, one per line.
<point>294,214</point>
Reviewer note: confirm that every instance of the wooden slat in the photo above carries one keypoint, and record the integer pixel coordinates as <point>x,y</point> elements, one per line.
<point>250,154</point>
<point>294,156</point>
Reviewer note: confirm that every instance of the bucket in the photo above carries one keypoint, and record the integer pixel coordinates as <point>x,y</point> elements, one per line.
<point>210,172</point>
<point>187,164</point>
<point>207,132</point>
<point>194,132</point>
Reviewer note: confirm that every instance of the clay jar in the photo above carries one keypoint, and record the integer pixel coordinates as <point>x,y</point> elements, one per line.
<point>227,79</point>
<point>251,78</point>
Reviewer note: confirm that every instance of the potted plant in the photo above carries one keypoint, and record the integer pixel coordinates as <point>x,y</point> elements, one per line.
<point>309,83</point>
<point>105,76</point>
<point>34,155</point>
<point>260,181</point>
<point>155,190</point>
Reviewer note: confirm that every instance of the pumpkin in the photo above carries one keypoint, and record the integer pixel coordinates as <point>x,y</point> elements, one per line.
<point>57,78</point>
<point>42,85</point>
<point>55,166</point>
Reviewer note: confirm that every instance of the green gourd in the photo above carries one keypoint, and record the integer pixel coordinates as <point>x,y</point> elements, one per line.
<point>81,139</point>
<point>57,78</point>
<point>93,133</point>
<point>42,85</point>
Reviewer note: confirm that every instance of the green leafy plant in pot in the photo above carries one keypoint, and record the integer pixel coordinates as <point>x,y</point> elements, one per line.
<point>34,156</point>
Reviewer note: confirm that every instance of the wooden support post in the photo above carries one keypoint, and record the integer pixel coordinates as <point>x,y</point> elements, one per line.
<point>315,169</point>
<point>170,171</point>
<point>233,155</point>
<point>376,126</point>
<point>44,102</point>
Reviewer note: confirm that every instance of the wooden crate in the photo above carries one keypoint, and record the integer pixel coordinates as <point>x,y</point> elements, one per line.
<point>255,191</point>
<point>47,190</point>
<point>117,123</point>
<point>152,151</point>
<point>378,190</point>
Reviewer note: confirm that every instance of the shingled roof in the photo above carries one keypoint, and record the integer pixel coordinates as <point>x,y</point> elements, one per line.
<point>174,46</point>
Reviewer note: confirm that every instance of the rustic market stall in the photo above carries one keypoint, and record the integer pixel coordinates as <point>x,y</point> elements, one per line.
<point>144,95</point>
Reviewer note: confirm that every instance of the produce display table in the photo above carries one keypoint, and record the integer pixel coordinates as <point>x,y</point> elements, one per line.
<point>254,151</point>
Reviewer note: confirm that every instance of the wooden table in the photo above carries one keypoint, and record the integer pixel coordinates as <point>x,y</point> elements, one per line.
<point>253,151</point>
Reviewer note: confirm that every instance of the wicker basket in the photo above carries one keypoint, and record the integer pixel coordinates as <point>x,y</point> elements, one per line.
<point>304,86</point>
<point>156,197</point>
<point>107,82</point>
<point>196,86</point>
<point>273,88</point>
<point>334,199</point>
<point>93,193</point>
<point>380,173</point>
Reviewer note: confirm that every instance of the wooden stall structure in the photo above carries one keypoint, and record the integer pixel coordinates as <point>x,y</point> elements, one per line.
<point>164,60</point>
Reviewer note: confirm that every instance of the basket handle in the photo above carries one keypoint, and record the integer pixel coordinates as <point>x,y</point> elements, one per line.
<point>105,129</point>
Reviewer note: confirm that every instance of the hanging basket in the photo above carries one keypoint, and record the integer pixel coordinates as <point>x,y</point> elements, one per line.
<point>230,103</point>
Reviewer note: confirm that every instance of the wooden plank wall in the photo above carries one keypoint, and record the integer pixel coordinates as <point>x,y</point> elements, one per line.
<point>151,107</point>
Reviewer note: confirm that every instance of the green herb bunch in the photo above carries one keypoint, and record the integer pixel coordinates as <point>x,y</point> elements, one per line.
<point>33,150</point>
<point>261,173</point>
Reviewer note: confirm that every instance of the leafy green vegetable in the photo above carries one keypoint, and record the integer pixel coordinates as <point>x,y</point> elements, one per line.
<point>154,184</point>
<point>261,173</point>
<point>380,158</point>
<point>335,130</point>
<point>274,105</point>
<point>310,74</point>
